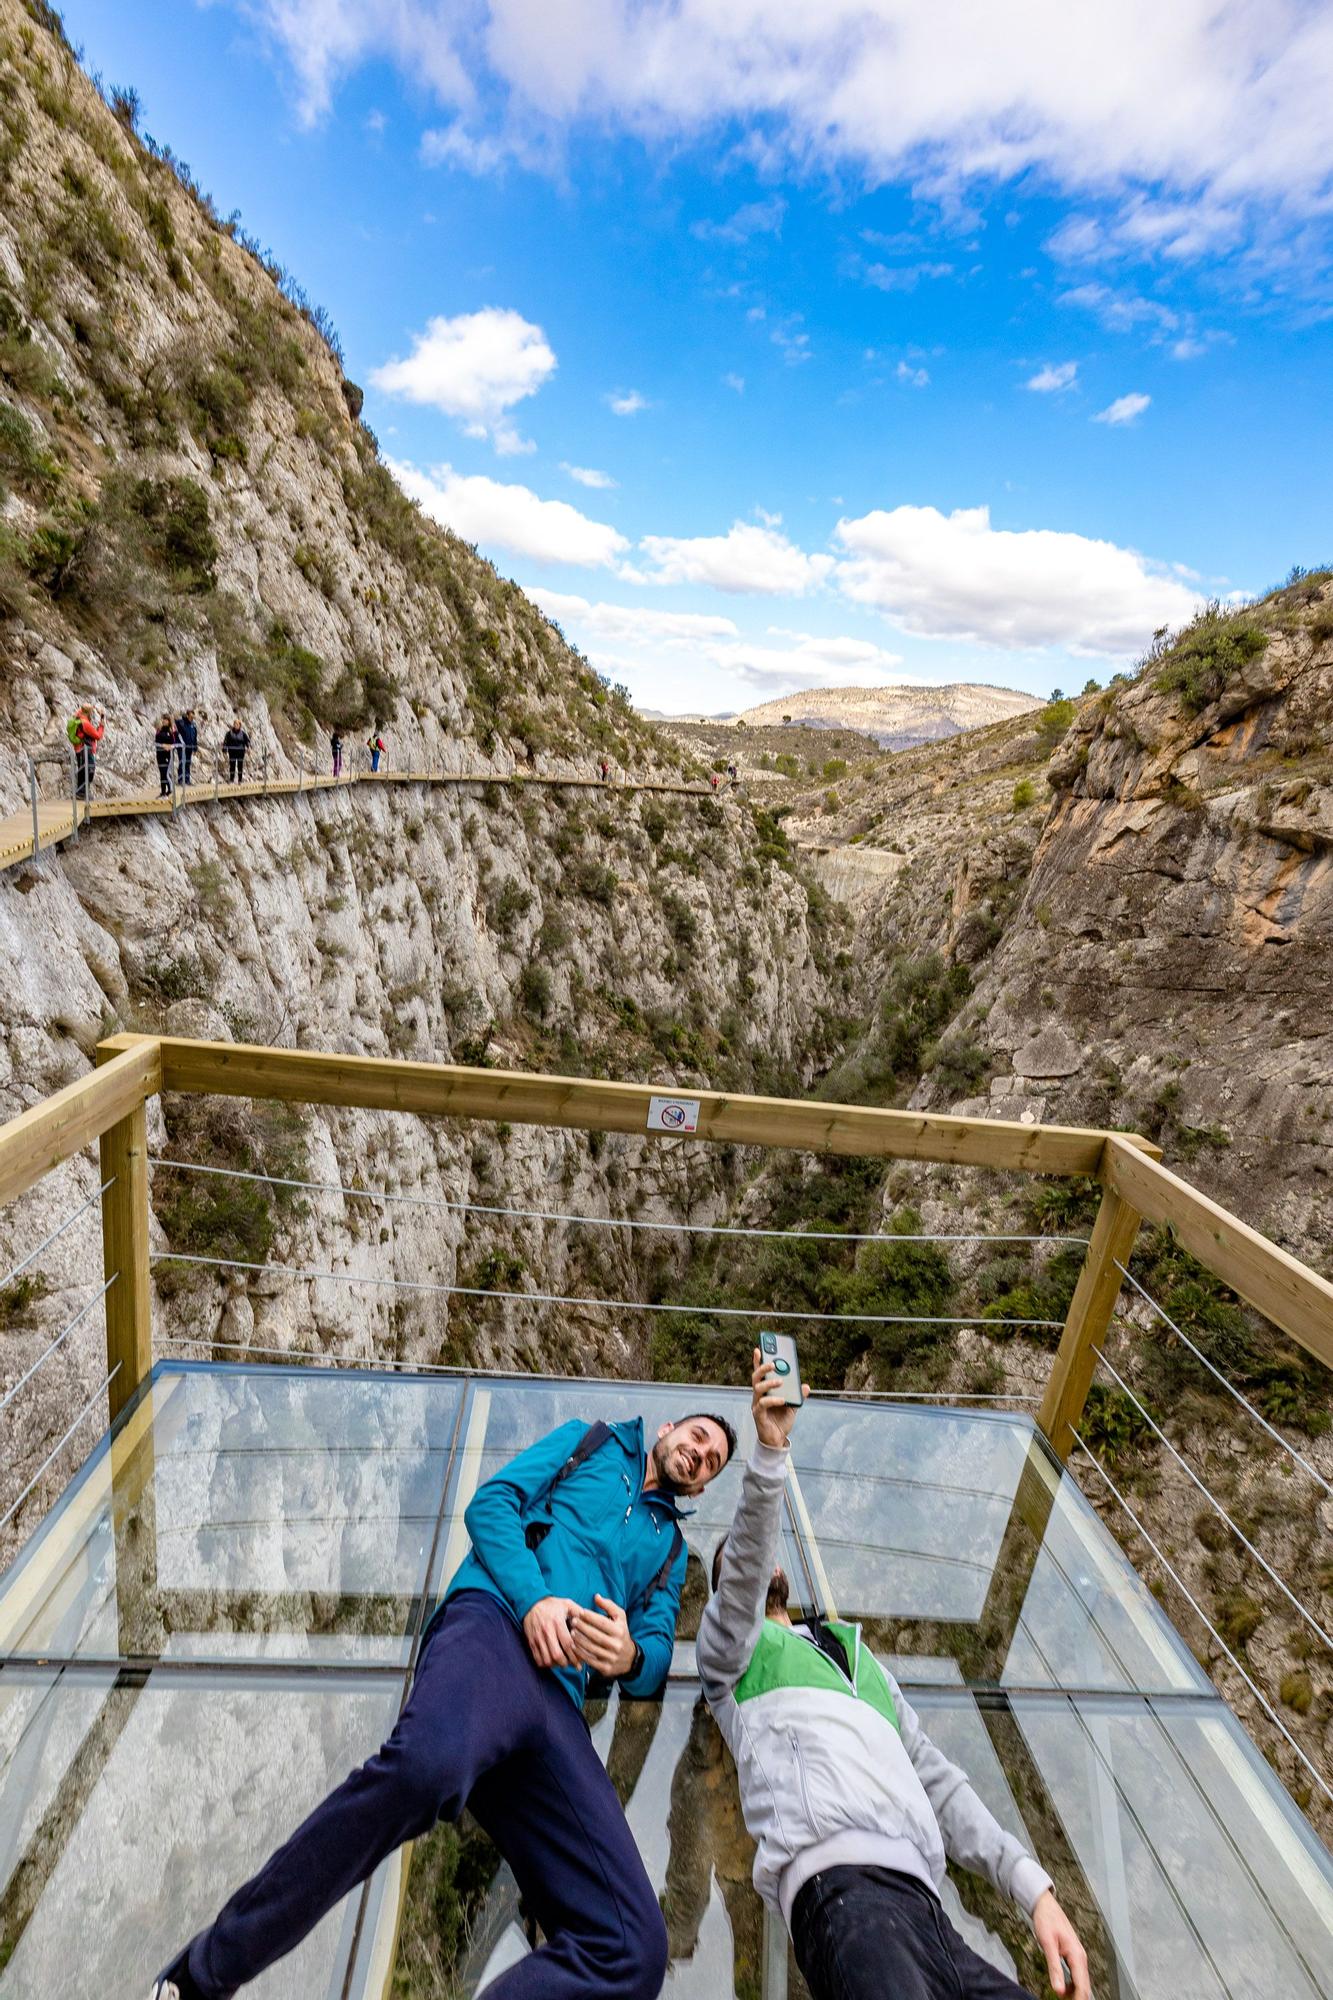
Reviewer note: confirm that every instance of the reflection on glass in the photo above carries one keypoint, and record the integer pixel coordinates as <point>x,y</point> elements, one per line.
<point>952,1535</point>
<point>130,1810</point>
<point>277,1513</point>
<point>1207,1878</point>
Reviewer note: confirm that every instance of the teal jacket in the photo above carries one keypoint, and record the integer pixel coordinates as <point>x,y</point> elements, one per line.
<point>605,1535</point>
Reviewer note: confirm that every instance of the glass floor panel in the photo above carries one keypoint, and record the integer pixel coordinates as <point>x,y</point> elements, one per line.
<point>951,1534</point>
<point>236,1577</point>
<point>269,1513</point>
<point>132,1805</point>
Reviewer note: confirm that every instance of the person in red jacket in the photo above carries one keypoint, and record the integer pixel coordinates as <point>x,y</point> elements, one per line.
<point>86,732</point>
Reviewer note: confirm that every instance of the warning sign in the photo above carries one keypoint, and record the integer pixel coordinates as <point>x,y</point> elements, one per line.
<point>673,1114</point>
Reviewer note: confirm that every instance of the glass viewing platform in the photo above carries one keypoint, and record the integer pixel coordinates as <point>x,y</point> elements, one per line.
<point>219,1618</point>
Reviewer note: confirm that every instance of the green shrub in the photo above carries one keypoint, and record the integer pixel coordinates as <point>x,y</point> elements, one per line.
<point>1112,1424</point>
<point>176,516</point>
<point>958,1065</point>
<point>513,902</point>
<point>535,990</point>
<point>596,881</point>
<point>1054,722</point>
<point>24,460</point>
<point>1024,793</point>
<point>1209,654</point>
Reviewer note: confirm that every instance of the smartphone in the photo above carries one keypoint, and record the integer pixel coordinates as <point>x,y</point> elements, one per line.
<point>780,1349</point>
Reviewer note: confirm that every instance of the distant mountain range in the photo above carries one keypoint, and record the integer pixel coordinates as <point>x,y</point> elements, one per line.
<point>896,717</point>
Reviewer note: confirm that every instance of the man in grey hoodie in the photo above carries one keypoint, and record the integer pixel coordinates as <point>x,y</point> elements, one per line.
<point>852,1807</point>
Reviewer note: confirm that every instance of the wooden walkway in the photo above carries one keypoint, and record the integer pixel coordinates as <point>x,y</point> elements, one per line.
<point>55,819</point>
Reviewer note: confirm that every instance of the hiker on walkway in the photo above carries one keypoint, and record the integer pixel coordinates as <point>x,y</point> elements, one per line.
<point>712,779</point>
<point>731,772</point>
<point>573,1578</point>
<point>852,1806</point>
<point>187,739</point>
<point>164,737</point>
<point>85,730</point>
<point>236,742</point>
<point>375,745</point>
<point>336,746</point>
<point>605,770</point>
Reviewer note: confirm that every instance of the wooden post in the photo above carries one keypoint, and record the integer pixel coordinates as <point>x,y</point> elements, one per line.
<point>129,1327</point>
<point>1090,1311</point>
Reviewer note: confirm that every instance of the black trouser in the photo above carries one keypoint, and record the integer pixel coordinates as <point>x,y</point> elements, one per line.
<point>164,773</point>
<point>871,1934</point>
<point>85,770</point>
<point>235,767</point>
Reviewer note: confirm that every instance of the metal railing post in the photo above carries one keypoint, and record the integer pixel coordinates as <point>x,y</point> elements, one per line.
<point>263,769</point>
<point>32,793</point>
<point>1090,1310</point>
<point>171,779</point>
<point>217,768</point>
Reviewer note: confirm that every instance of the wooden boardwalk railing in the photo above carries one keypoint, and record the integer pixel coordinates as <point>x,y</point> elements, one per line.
<point>108,1106</point>
<point>55,817</point>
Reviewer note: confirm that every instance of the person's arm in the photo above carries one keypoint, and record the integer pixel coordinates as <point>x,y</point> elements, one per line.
<point>734,1615</point>
<point>494,1517</point>
<point>974,1838</point>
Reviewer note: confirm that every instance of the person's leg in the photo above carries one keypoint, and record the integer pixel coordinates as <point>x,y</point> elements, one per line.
<point>476,1698</point>
<point>978,1979</point>
<point>553,1813</point>
<point>865,1933</point>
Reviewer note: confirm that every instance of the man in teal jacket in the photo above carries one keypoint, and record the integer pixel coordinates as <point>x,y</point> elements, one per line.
<point>574,1575</point>
<point>851,1806</point>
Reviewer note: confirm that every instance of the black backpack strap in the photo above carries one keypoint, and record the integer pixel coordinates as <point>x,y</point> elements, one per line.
<point>592,1440</point>
<point>663,1576</point>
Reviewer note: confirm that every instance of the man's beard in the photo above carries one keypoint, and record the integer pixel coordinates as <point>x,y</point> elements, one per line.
<point>661,1465</point>
<point>779,1590</point>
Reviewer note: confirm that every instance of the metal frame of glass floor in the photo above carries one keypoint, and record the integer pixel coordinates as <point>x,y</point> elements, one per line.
<point>220,1616</point>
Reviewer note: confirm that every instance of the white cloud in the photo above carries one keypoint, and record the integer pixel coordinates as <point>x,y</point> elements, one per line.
<point>471,152</point>
<point>1121,312</point>
<point>374,122</point>
<point>751,558</point>
<point>914,378</point>
<point>1123,410</point>
<point>954,576</point>
<point>588,475</point>
<point>510,517</point>
<point>903,277</point>
<point>633,624</point>
<point>736,382</point>
<point>474,368</point>
<point>627,402</point>
<point>809,661</point>
<point>1054,377</point>
<point>755,218</point>
<point>1237,115</point>
<point>792,342</point>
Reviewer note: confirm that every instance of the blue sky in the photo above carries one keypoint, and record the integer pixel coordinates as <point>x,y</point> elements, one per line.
<point>773,346</point>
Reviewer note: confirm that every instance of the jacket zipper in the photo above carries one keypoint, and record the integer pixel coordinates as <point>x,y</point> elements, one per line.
<point>799,1761</point>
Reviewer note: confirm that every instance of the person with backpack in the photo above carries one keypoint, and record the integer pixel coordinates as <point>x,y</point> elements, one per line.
<point>236,742</point>
<point>164,738</point>
<point>852,1808</point>
<point>85,730</point>
<point>187,742</point>
<point>336,746</point>
<point>573,1580</point>
<point>375,745</point>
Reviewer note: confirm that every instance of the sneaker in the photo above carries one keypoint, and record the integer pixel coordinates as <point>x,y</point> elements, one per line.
<point>165,1989</point>
<point>175,1983</point>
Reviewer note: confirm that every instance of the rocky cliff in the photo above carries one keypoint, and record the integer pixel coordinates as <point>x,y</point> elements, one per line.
<point>191,513</point>
<point>896,717</point>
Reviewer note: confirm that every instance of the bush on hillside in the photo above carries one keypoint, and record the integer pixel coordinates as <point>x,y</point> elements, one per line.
<point>1208,655</point>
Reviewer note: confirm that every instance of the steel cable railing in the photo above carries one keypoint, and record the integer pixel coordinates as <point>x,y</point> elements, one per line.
<point>1325,1638</point>
<point>443,1202</point>
<point>56,1449</point>
<point>1220,1378</point>
<point>1203,1617</point>
<point>59,1341</point>
<point>56,1234</point>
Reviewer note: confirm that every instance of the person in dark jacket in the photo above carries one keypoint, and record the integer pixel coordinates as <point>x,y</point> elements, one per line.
<point>187,741</point>
<point>574,1576</point>
<point>336,746</point>
<point>164,739</point>
<point>236,742</point>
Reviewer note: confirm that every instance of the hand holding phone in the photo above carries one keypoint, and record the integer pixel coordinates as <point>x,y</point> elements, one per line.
<point>778,1391</point>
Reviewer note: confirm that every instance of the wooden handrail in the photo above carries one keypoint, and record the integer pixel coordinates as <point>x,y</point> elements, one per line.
<point>446,1089</point>
<point>1275,1283</point>
<point>40,1139</point>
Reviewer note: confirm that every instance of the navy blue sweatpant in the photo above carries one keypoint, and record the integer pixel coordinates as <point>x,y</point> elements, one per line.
<point>485,1728</point>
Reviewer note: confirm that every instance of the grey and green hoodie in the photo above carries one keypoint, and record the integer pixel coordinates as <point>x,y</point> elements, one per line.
<point>833,1772</point>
